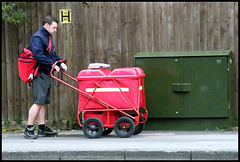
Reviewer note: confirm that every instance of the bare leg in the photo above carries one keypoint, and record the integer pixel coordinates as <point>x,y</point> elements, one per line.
<point>41,115</point>
<point>33,113</point>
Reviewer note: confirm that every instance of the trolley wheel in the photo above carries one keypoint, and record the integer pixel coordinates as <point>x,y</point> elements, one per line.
<point>124,127</point>
<point>106,131</point>
<point>93,128</point>
<point>139,127</point>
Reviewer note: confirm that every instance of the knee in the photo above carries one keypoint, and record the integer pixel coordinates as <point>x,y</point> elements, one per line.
<point>39,106</point>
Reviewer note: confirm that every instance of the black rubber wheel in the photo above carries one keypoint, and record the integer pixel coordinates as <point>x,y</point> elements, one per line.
<point>139,128</point>
<point>93,128</point>
<point>106,131</point>
<point>124,127</point>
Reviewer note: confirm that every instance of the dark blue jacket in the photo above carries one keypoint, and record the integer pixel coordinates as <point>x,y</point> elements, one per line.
<point>38,45</point>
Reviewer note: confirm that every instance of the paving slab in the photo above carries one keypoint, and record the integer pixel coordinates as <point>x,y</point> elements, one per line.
<point>148,145</point>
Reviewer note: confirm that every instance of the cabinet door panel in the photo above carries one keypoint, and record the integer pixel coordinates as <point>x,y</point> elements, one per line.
<point>160,74</point>
<point>208,78</point>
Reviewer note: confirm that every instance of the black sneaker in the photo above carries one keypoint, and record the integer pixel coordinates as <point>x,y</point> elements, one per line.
<point>29,133</point>
<point>46,132</point>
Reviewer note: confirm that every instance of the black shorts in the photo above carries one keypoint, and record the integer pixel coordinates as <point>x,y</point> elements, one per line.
<point>41,88</point>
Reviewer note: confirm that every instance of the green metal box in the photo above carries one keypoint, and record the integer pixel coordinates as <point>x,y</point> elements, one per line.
<point>188,85</point>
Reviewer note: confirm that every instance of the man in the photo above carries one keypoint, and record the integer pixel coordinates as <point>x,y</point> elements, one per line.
<point>45,58</point>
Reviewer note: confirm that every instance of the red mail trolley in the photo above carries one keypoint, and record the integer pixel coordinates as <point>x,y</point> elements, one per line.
<point>110,100</point>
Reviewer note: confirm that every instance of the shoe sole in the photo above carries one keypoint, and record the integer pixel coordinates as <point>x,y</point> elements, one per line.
<point>27,137</point>
<point>48,135</point>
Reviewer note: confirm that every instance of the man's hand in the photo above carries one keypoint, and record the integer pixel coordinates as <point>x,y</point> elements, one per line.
<point>57,68</point>
<point>64,66</point>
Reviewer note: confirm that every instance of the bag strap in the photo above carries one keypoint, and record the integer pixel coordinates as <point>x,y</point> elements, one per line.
<point>50,45</point>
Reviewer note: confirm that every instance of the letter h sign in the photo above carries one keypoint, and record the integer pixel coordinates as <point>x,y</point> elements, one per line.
<point>65,15</point>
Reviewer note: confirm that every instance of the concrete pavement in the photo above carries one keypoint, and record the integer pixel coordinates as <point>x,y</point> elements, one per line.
<point>148,145</point>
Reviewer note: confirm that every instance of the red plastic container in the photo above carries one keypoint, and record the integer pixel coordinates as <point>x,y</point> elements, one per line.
<point>122,88</point>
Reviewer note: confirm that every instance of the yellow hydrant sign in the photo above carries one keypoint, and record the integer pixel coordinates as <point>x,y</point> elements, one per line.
<point>65,15</point>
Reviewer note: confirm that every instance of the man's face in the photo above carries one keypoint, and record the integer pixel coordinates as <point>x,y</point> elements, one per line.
<point>51,28</point>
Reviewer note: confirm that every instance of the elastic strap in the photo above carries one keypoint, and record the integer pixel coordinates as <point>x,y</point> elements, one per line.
<point>50,45</point>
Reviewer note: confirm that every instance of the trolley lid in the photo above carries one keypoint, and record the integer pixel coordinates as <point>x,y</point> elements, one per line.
<point>127,72</point>
<point>100,71</point>
<point>89,74</point>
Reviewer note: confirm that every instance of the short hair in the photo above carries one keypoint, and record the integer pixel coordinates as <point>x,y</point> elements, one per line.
<point>49,20</point>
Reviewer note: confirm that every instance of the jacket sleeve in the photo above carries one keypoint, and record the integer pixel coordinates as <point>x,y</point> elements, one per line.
<point>37,48</point>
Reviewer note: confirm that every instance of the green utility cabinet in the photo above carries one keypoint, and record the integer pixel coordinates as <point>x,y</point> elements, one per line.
<point>196,84</point>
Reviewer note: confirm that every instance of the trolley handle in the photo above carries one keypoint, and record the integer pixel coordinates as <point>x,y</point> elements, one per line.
<point>63,72</point>
<point>58,63</point>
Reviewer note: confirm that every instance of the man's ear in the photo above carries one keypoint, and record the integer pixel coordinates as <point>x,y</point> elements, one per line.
<point>46,25</point>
